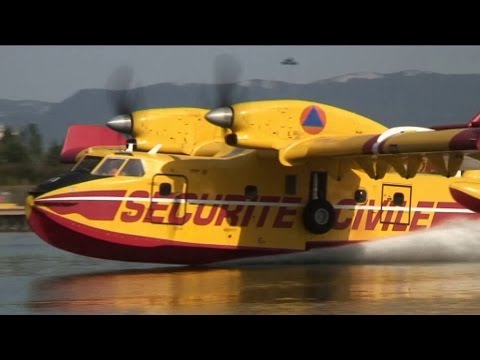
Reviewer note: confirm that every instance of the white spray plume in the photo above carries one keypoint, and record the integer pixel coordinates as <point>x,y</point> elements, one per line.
<point>457,241</point>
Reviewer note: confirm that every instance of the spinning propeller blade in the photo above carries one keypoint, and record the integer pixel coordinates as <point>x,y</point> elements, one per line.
<point>227,74</point>
<point>120,81</point>
<point>123,100</point>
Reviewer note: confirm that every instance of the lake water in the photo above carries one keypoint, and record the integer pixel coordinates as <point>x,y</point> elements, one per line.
<point>436,272</point>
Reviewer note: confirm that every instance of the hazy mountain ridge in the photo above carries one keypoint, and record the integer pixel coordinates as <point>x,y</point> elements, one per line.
<point>21,112</point>
<point>408,97</point>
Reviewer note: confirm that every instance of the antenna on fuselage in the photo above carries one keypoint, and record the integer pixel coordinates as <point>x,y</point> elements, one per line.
<point>130,147</point>
<point>155,149</point>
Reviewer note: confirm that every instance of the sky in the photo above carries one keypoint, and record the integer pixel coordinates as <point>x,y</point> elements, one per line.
<point>53,73</point>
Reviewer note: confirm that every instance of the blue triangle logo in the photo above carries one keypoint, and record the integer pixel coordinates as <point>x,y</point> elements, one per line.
<point>313,119</point>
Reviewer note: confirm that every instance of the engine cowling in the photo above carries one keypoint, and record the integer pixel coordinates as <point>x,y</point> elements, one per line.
<point>173,131</point>
<point>276,123</point>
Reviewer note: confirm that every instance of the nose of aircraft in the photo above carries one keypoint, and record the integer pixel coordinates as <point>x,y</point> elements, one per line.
<point>28,206</point>
<point>222,117</point>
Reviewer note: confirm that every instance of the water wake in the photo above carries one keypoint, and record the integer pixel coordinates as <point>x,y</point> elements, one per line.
<point>452,242</point>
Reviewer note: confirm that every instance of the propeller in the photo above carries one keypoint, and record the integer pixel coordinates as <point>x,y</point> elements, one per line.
<point>227,73</point>
<point>120,81</point>
<point>122,99</point>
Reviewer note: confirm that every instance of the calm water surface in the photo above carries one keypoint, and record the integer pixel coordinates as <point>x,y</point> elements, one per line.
<point>434,274</point>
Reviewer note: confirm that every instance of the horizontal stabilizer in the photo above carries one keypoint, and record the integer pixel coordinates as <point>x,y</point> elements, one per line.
<point>80,137</point>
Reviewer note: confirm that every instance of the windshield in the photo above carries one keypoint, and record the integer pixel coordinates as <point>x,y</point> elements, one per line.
<point>87,164</point>
<point>110,167</point>
<point>133,167</point>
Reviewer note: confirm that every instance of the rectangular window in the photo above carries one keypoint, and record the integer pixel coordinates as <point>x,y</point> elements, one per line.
<point>165,189</point>
<point>251,192</point>
<point>291,184</point>
<point>133,168</point>
<point>398,199</point>
<point>88,163</point>
<point>110,167</point>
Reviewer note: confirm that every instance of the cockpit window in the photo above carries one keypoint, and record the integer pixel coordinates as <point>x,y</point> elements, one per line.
<point>87,164</point>
<point>110,167</point>
<point>133,167</point>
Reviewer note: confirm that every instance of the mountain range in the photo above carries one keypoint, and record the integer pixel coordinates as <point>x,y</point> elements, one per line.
<point>408,97</point>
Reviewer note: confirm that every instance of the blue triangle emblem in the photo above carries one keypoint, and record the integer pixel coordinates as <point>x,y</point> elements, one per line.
<point>313,119</point>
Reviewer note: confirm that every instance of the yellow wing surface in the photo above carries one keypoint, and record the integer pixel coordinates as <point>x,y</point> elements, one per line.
<point>406,151</point>
<point>303,131</point>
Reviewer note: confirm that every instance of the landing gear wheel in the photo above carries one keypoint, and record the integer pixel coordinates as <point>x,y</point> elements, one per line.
<point>319,216</point>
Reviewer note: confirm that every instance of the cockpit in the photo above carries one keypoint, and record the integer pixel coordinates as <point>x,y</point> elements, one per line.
<point>93,168</point>
<point>110,166</point>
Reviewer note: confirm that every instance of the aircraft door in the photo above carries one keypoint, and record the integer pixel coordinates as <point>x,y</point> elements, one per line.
<point>168,201</point>
<point>396,204</point>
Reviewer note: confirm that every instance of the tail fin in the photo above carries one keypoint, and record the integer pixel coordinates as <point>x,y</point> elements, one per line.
<point>473,123</point>
<point>80,137</point>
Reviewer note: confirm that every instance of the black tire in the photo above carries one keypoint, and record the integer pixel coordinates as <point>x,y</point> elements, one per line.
<point>319,216</point>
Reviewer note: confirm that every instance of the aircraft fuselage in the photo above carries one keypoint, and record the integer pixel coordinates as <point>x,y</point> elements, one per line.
<point>194,210</point>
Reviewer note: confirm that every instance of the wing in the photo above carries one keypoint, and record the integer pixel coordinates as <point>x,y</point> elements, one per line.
<point>405,149</point>
<point>304,131</point>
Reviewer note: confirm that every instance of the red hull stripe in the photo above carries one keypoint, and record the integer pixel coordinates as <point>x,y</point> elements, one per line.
<point>92,210</point>
<point>69,199</point>
<point>79,194</point>
<point>84,240</point>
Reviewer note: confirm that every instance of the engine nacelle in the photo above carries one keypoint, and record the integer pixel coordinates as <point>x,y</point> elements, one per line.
<point>173,131</point>
<point>274,124</point>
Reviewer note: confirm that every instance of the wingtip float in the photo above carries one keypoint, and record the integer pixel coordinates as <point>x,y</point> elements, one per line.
<point>195,186</point>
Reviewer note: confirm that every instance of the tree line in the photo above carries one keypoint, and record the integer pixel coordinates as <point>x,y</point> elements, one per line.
<point>24,159</point>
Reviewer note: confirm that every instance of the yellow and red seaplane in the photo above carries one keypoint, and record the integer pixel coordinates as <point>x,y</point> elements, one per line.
<point>196,186</point>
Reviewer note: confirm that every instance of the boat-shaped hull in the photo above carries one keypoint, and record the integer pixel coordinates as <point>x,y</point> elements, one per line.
<point>88,241</point>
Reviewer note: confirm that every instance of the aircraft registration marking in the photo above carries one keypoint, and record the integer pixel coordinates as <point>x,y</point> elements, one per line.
<point>239,212</point>
<point>403,208</point>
